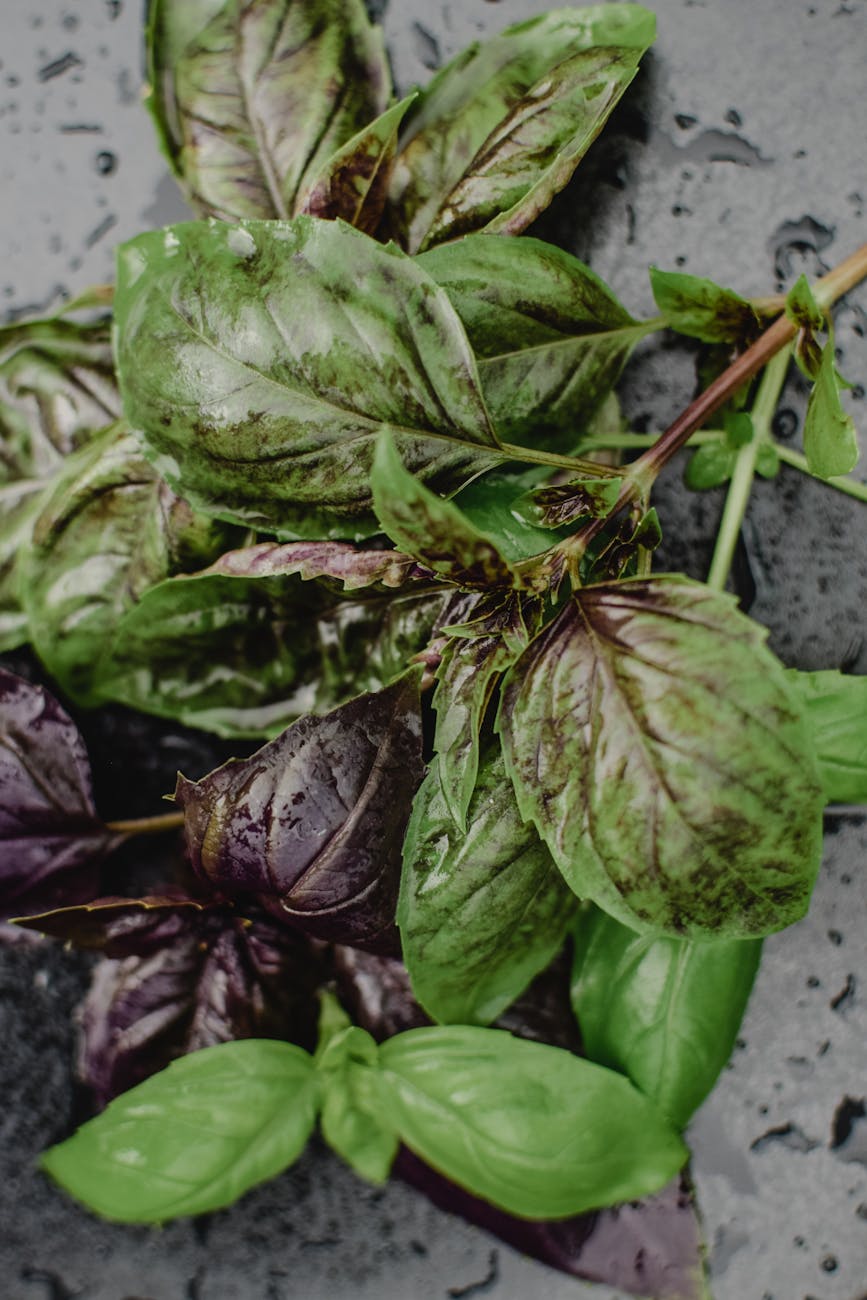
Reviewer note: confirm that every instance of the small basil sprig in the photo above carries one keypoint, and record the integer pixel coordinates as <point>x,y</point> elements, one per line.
<point>531,1128</point>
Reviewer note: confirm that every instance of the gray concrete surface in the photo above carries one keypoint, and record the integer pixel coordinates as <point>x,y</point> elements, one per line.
<point>739,154</point>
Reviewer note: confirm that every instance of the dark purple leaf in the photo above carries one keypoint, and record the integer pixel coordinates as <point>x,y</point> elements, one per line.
<point>377,993</point>
<point>51,840</point>
<point>182,975</point>
<point>314,821</point>
<point>650,1247</point>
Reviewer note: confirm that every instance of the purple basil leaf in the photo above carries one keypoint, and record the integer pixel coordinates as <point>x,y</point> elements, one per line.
<point>51,840</point>
<point>650,1247</point>
<point>124,927</point>
<point>340,561</point>
<point>377,993</point>
<point>205,976</point>
<point>314,821</point>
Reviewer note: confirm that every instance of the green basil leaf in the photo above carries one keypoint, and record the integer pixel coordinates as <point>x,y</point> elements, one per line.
<point>836,713</point>
<point>245,657</point>
<point>649,723</point>
<point>57,388</point>
<point>663,1011</point>
<point>501,128</point>
<point>20,504</point>
<point>499,506</point>
<point>266,423</point>
<point>473,660</point>
<point>564,503</point>
<point>434,531</point>
<point>255,100</point>
<point>551,338</point>
<point>170,28</point>
<point>803,310</point>
<point>767,460</point>
<point>353,184</point>
<point>108,529</point>
<point>739,429</point>
<point>194,1137</point>
<point>709,466</point>
<point>531,1128</point>
<point>481,911</point>
<point>702,309</point>
<point>830,440</point>
<point>351,1104</point>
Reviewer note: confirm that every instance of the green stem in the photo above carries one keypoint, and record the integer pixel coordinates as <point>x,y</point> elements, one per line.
<point>534,456</point>
<point>744,472</point>
<point>638,441</point>
<point>850,486</point>
<point>148,825</point>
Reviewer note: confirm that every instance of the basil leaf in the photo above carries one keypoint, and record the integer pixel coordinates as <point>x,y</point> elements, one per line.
<point>481,912</point>
<point>20,504</point>
<point>663,1011</point>
<point>194,1137</point>
<point>57,387</point>
<point>353,184</point>
<point>649,723</point>
<point>212,651</point>
<point>315,820</point>
<point>835,707</point>
<point>501,128</point>
<point>498,505</point>
<point>709,466</point>
<point>170,28</point>
<point>433,530</point>
<point>767,460</point>
<point>183,975</point>
<point>551,338</point>
<point>254,101</point>
<point>702,309</point>
<point>830,441</point>
<point>564,503</point>
<point>803,310</point>
<point>531,1128</point>
<point>350,1121</point>
<point>108,529</point>
<point>341,562</point>
<point>51,840</point>
<point>472,662</point>
<point>261,422</point>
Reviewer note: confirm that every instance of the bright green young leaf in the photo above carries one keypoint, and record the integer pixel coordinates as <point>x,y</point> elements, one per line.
<point>767,460</point>
<point>481,911</point>
<point>663,1011</point>
<point>436,532</point>
<point>499,505</point>
<point>260,363</point>
<point>245,657</point>
<point>739,429</point>
<point>551,338</point>
<point>830,440</point>
<point>194,1137</point>
<point>649,723</point>
<point>107,531</point>
<point>351,1104</point>
<point>473,660</point>
<point>836,712</point>
<point>701,309</point>
<point>531,1128</point>
<point>501,128</point>
<point>253,98</point>
<point>353,184</point>
<point>709,465</point>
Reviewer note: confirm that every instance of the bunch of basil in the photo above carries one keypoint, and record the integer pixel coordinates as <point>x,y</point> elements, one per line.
<point>489,729</point>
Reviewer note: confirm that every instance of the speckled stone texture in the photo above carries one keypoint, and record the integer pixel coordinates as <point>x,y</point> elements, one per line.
<point>739,154</point>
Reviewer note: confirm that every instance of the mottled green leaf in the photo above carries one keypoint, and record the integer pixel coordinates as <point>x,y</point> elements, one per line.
<point>830,440</point>
<point>501,128</point>
<point>836,713</point>
<point>253,99</point>
<point>657,745</point>
<point>108,529</point>
<point>564,503</point>
<point>803,310</point>
<point>20,504</point>
<point>436,532</point>
<point>551,338</point>
<point>702,309</point>
<point>260,362</point>
<point>663,1011</point>
<point>339,562</point>
<point>709,466</point>
<point>353,184</point>
<point>245,657</point>
<point>531,1128</point>
<point>194,1137</point>
<point>57,388</point>
<point>481,911</point>
<point>474,658</point>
